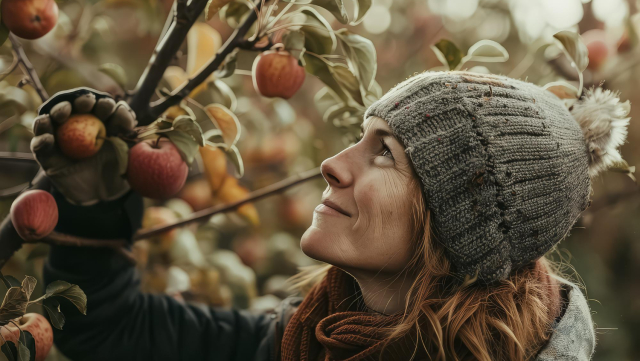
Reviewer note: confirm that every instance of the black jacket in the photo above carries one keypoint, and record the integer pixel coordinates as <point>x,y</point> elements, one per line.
<point>123,323</point>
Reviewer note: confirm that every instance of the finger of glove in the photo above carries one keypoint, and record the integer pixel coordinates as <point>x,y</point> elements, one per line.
<point>122,121</point>
<point>44,149</point>
<point>84,103</point>
<point>42,125</point>
<point>104,108</point>
<point>60,112</point>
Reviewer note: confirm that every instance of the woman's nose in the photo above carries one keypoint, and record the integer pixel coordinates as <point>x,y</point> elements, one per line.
<point>336,172</point>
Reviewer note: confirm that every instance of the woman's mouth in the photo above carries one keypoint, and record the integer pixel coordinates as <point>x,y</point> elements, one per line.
<point>329,207</point>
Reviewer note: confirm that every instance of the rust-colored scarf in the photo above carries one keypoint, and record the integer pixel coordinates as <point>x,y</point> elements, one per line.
<point>331,324</point>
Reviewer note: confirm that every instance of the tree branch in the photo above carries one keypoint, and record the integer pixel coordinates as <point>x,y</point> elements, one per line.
<point>253,196</point>
<point>27,67</point>
<point>61,239</point>
<point>146,112</point>
<point>183,18</point>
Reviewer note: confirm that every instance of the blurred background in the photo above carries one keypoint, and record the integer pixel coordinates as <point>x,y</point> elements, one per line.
<point>243,260</point>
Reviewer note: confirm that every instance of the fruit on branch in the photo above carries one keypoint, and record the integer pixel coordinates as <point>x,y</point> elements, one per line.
<point>81,136</point>
<point>215,166</point>
<point>38,326</point>
<point>231,192</point>
<point>29,19</point>
<point>197,194</point>
<point>34,214</point>
<point>156,169</point>
<point>598,46</point>
<point>160,216</point>
<point>277,74</point>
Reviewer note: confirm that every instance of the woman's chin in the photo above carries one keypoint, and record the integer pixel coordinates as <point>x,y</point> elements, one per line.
<point>311,243</point>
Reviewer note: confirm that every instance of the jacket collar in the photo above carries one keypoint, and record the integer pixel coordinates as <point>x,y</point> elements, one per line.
<point>573,336</point>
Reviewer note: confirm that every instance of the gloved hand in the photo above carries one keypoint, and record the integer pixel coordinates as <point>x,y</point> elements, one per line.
<point>96,178</point>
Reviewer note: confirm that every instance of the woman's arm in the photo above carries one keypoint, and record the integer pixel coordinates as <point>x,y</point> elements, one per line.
<point>123,323</point>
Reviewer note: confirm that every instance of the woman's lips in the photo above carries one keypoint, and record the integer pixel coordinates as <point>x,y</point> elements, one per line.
<point>321,208</point>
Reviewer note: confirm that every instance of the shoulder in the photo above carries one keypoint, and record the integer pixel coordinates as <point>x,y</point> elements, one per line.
<point>573,335</point>
<point>279,318</point>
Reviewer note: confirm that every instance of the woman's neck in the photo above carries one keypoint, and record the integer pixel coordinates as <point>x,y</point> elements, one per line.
<point>384,293</point>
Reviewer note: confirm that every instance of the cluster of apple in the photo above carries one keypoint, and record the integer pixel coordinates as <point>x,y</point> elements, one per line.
<point>29,19</point>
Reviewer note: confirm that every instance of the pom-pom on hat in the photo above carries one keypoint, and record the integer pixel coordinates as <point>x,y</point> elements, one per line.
<point>505,167</point>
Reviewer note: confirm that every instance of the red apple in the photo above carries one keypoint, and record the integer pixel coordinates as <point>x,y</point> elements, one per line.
<point>277,74</point>
<point>156,169</point>
<point>34,214</point>
<point>597,45</point>
<point>29,19</point>
<point>38,326</point>
<point>81,136</point>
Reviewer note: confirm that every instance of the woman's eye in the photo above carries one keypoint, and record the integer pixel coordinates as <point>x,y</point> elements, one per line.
<point>385,150</point>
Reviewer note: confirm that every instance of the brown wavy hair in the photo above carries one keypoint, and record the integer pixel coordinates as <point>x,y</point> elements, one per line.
<point>460,320</point>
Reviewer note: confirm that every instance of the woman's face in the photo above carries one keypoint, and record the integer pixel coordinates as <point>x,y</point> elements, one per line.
<point>364,220</point>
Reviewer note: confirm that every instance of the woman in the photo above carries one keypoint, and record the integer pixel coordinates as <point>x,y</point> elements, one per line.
<point>435,226</point>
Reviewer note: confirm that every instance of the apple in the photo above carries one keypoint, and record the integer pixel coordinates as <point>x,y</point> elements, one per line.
<point>38,326</point>
<point>598,46</point>
<point>160,216</point>
<point>81,136</point>
<point>29,19</point>
<point>156,169</point>
<point>198,194</point>
<point>34,214</point>
<point>277,74</point>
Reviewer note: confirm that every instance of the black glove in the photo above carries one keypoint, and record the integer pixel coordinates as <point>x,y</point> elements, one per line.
<point>99,177</point>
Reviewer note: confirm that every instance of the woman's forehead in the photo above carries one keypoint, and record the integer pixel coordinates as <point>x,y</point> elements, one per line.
<point>374,121</point>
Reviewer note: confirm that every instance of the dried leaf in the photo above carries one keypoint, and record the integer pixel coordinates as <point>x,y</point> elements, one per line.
<point>226,122</point>
<point>562,89</point>
<point>28,284</point>
<point>14,305</point>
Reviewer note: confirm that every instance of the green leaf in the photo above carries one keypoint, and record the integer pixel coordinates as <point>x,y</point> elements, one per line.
<point>4,33</point>
<point>361,56</point>
<point>28,284</point>
<point>319,36</point>
<point>122,153</point>
<point>9,350</point>
<point>10,281</point>
<point>213,6</point>
<point>448,53</point>
<point>320,69</point>
<point>187,146</point>
<point>55,315</point>
<point>69,291</point>
<point>115,72</point>
<point>361,7</point>
<point>335,7</point>
<point>39,251</point>
<point>30,343</point>
<point>574,48</point>
<point>341,114</point>
<point>294,43</point>
<point>233,13</point>
<point>14,305</point>
<point>347,81</point>
<point>487,51</point>
<point>233,154</point>
<point>217,92</point>
<point>188,125</point>
<point>229,65</point>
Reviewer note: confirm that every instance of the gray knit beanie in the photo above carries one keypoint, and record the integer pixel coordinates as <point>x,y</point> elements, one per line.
<point>505,167</point>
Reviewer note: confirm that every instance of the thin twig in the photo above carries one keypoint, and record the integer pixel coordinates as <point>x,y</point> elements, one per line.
<point>19,156</point>
<point>61,239</point>
<point>11,68</point>
<point>27,67</point>
<point>253,196</point>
